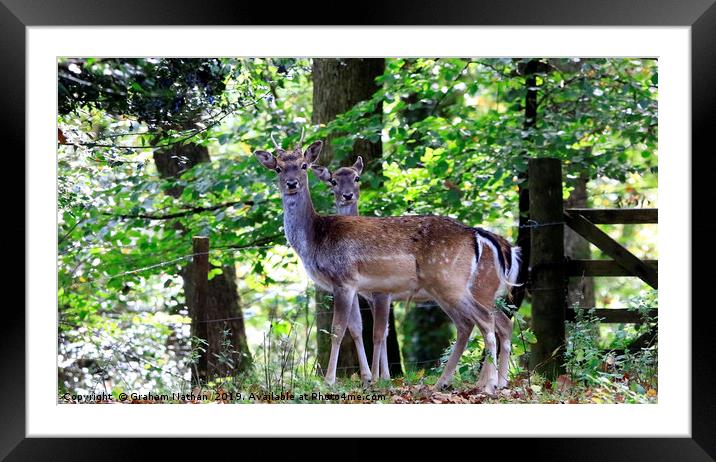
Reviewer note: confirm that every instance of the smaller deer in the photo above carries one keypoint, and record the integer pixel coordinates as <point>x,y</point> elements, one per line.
<point>345,185</point>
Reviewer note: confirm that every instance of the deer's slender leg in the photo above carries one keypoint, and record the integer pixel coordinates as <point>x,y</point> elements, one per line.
<point>384,366</point>
<point>342,304</point>
<point>375,363</point>
<point>381,311</point>
<point>503,325</point>
<point>355,327</point>
<point>463,334</point>
<point>489,366</point>
<point>483,377</point>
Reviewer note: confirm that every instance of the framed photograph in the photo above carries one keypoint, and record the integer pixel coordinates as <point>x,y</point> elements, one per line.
<point>452,217</point>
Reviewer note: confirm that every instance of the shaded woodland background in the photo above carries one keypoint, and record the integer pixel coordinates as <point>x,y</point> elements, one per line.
<point>154,151</point>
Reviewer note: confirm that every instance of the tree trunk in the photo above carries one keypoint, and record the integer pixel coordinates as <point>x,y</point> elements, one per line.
<point>580,291</point>
<point>227,349</point>
<point>338,84</point>
<point>529,70</point>
<point>548,280</point>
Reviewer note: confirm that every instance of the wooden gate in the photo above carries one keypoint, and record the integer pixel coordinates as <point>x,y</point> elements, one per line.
<point>550,269</point>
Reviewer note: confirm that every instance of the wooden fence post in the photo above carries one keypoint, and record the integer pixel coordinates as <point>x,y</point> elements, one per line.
<point>199,328</point>
<point>547,266</point>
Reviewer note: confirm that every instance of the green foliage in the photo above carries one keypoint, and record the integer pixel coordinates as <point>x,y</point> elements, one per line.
<point>633,374</point>
<point>161,93</point>
<point>135,351</point>
<point>522,338</point>
<point>583,356</point>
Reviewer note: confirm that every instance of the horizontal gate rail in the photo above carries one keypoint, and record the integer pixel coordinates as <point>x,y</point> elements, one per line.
<point>618,216</point>
<point>597,268</point>
<point>613,315</point>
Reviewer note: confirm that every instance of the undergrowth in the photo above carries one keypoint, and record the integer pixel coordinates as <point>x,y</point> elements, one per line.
<point>285,369</point>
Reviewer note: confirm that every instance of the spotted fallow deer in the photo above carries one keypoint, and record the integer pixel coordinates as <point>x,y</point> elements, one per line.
<point>344,183</point>
<point>395,255</point>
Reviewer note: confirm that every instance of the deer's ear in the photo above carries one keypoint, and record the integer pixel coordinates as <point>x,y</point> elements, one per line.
<point>266,158</point>
<point>312,152</point>
<point>358,166</point>
<point>321,172</point>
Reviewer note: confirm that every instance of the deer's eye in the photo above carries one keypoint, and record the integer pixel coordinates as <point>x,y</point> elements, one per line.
<point>357,179</point>
<point>304,166</point>
<point>333,182</point>
<point>278,169</point>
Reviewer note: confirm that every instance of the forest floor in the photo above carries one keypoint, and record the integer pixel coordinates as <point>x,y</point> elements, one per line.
<point>522,391</point>
<point>397,391</point>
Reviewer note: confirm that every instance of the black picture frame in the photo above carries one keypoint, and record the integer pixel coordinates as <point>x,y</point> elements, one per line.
<point>700,15</point>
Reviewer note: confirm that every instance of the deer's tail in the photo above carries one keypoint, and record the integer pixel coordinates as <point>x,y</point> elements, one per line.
<point>507,258</point>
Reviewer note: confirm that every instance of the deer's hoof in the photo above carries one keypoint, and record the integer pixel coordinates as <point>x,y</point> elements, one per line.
<point>489,389</point>
<point>441,386</point>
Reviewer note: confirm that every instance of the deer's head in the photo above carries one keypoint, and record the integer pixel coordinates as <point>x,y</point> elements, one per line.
<point>291,166</point>
<point>344,182</point>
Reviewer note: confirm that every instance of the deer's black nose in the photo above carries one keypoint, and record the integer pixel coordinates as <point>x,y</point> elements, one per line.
<point>348,196</point>
<point>292,184</point>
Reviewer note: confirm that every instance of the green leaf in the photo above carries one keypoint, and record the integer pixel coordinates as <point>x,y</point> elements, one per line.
<point>215,272</point>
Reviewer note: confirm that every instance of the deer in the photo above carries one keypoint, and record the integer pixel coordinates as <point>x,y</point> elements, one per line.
<point>344,183</point>
<point>347,255</point>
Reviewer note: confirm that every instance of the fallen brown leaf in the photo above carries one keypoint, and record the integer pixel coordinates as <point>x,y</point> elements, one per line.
<point>564,383</point>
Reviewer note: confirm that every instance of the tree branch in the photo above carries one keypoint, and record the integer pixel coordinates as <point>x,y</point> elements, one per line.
<point>182,213</point>
<point>66,235</point>
<point>257,242</point>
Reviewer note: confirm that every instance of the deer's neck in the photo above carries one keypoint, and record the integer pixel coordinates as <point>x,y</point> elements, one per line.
<point>348,210</point>
<point>298,221</point>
